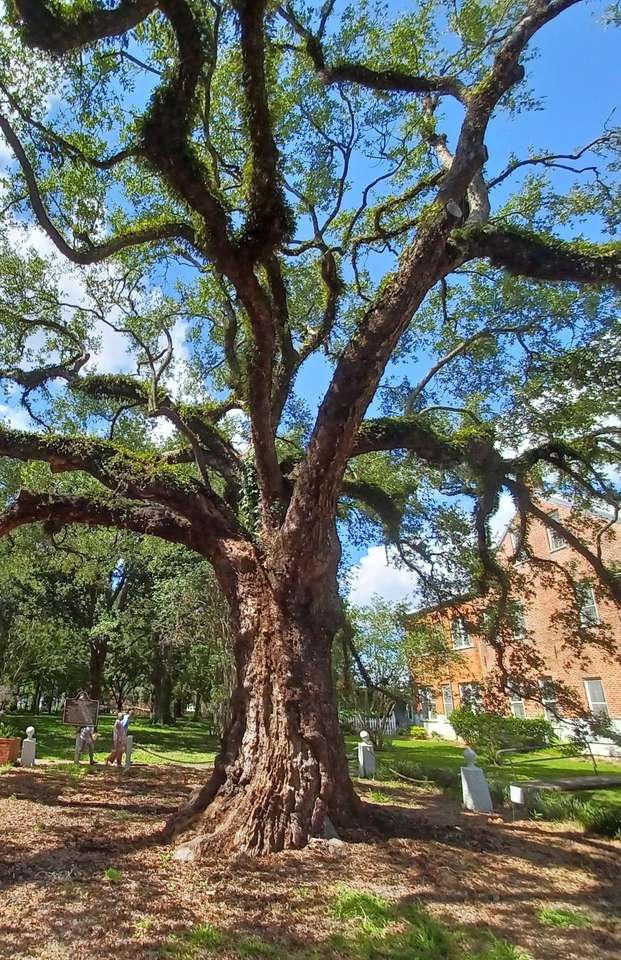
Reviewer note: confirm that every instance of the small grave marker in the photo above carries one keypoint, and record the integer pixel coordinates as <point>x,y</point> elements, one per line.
<point>29,748</point>
<point>366,757</point>
<point>475,791</point>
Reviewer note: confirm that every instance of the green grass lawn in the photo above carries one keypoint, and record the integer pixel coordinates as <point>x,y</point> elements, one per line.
<point>430,758</point>
<point>184,741</point>
<point>532,766</point>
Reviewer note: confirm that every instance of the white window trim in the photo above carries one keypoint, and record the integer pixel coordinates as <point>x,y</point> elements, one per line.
<point>553,701</point>
<point>517,700</point>
<point>584,620</point>
<point>468,643</point>
<point>447,713</point>
<point>552,533</point>
<point>428,700</point>
<point>592,703</point>
<point>519,555</point>
<point>475,702</point>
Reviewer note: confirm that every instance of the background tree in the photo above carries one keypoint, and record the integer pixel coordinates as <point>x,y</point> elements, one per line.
<point>263,184</point>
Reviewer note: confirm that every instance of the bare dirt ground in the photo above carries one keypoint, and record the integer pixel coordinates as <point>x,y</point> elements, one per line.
<point>59,834</point>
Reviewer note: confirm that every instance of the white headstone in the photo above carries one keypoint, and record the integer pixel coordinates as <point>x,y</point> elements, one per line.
<point>475,791</point>
<point>366,757</point>
<point>29,748</point>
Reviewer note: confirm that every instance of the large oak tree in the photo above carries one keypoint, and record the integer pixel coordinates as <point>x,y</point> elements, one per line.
<point>285,181</point>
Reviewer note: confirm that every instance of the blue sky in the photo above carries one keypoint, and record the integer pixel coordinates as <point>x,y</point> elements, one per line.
<point>578,76</point>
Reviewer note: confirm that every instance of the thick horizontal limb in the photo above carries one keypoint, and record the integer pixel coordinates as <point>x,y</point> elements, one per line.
<point>541,256</point>
<point>59,33</point>
<point>397,81</point>
<point>56,511</point>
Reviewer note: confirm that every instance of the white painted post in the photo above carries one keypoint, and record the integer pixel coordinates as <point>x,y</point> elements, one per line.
<point>366,757</point>
<point>29,748</point>
<point>475,791</point>
<point>128,752</point>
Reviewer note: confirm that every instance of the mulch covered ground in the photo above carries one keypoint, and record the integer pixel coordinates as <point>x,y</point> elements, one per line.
<point>60,834</point>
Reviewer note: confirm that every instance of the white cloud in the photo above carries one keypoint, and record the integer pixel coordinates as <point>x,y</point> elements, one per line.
<point>374,575</point>
<point>16,417</point>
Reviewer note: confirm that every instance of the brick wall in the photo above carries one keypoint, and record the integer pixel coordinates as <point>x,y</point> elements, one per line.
<point>546,594</point>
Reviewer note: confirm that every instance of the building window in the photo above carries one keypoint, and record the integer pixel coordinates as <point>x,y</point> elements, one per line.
<point>519,621</point>
<point>447,699</point>
<point>556,541</point>
<point>519,551</point>
<point>548,699</point>
<point>516,702</point>
<point>596,696</point>
<point>470,696</point>
<point>459,634</point>
<point>589,616</point>
<point>427,703</point>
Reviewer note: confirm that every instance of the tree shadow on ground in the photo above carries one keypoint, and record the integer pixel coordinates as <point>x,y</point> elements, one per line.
<point>63,834</point>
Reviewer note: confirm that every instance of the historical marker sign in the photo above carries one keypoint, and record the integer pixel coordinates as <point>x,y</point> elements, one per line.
<point>81,711</point>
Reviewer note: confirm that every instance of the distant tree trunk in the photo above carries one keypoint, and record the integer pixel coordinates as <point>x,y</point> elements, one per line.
<point>197,707</point>
<point>162,690</point>
<point>98,657</point>
<point>35,699</point>
<point>51,700</point>
<point>178,708</point>
<point>282,769</point>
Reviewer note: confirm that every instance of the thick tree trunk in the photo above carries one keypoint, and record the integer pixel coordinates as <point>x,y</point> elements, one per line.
<point>36,696</point>
<point>282,772</point>
<point>197,707</point>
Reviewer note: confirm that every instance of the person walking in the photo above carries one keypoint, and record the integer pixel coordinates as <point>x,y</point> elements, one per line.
<point>119,739</point>
<point>87,742</point>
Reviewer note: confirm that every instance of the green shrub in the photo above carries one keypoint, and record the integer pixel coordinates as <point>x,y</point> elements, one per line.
<point>488,732</point>
<point>7,730</point>
<point>594,815</point>
<point>418,733</point>
<point>599,817</point>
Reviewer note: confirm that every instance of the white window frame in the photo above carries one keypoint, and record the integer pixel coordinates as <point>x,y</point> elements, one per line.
<point>475,702</point>
<point>460,638</point>
<point>518,552</point>
<point>549,704</point>
<point>520,628</point>
<point>596,705</point>
<point>445,687</point>
<point>516,702</point>
<point>427,703</point>
<point>554,539</point>
<point>588,603</point>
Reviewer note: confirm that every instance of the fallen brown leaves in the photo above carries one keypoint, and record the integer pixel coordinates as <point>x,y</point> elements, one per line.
<point>85,874</point>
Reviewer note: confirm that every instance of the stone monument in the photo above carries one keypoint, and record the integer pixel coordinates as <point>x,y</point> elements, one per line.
<point>366,757</point>
<point>475,791</point>
<point>29,748</point>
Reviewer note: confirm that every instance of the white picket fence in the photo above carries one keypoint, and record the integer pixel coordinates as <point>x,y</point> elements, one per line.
<point>389,725</point>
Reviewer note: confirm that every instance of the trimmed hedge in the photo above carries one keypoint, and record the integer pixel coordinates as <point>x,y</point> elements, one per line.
<point>487,732</point>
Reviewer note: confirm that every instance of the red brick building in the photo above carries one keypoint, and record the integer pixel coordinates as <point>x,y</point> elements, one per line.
<point>543,612</point>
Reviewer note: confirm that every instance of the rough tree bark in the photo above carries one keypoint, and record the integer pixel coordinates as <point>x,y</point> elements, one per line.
<point>282,769</point>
